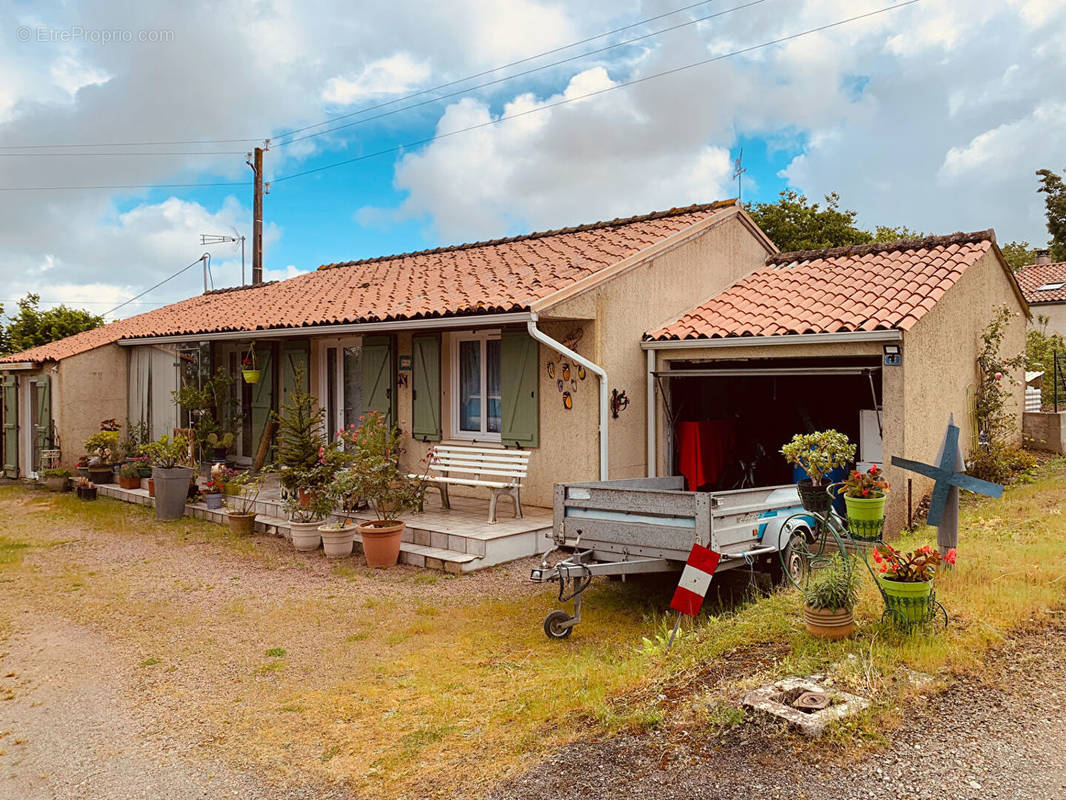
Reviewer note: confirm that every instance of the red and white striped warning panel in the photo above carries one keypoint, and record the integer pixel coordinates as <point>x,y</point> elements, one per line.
<point>695,580</point>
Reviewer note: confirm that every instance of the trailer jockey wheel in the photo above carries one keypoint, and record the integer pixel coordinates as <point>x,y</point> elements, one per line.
<point>553,625</point>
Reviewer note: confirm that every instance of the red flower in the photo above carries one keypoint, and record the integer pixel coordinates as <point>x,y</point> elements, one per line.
<point>924,550</point>
<point>950,557</point>
<point>884,568</point>
<point>877,556</point>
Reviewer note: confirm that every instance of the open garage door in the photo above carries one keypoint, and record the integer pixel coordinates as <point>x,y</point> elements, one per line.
<point>729,419</point>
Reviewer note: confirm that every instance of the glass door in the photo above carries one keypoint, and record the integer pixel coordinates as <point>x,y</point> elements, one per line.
<point>341,383</point>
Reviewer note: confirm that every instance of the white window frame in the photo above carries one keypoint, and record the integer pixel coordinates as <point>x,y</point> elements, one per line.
<point>471,336</point>
<point>340,343</point>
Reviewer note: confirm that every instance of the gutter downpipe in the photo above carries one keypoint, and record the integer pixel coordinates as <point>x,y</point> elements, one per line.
<point>600,372</point>
<point>652,403</point>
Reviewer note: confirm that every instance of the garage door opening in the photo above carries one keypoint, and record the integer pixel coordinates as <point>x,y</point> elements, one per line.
<point>728,420</point>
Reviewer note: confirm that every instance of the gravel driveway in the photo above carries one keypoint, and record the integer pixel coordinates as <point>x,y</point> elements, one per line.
<point>67,731</point>
<point>998,735</point>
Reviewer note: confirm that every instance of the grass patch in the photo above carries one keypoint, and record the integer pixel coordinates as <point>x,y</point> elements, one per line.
<point>149,662</point>
<point>400,683</point>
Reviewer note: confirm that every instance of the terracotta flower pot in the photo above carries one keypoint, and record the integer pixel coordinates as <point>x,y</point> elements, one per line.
<point>305,536</point>
<point>129,483</point>
<point>337,542</point>
<point>829,623</point>
<point>381,542</point>
<point>151,487</point>
<point>241,524</point>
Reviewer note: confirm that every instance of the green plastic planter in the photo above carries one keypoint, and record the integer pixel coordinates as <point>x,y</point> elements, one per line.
<point>909,602</point>
<point>866,517</point>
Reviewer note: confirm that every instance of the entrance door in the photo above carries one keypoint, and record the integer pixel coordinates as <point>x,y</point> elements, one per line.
<point>341,382</point>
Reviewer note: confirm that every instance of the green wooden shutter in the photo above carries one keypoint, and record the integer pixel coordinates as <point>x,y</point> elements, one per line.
<point>43,430</point>
<point>519,381</point>
<point>295,359</point>
<point>425,387</point>
<point>11,427</point>
<point>262,397</point>
<point>378,376</point>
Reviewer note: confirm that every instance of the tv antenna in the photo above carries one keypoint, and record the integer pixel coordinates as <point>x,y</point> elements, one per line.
<point>216,238</point>
<point>738,171</point>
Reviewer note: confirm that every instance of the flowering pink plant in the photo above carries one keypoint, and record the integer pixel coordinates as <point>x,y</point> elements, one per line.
<point>918,566</point>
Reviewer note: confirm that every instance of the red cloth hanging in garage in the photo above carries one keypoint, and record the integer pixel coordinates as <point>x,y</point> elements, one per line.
<point>703,449</point>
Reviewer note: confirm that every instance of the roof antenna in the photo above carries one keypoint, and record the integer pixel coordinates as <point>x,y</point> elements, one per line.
<point>206,258</point>
<point>738,170</point>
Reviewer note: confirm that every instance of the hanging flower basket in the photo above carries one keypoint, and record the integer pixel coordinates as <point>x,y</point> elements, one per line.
<point>249,368</point>
<point>251,375</point>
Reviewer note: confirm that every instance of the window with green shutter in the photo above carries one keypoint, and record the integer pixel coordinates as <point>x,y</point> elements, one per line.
<point>378,376</point>
<point>262,395</point>
<point>11,426</point>
<point>425,387</point>
<point>519,381</point>
<point>42,432</point>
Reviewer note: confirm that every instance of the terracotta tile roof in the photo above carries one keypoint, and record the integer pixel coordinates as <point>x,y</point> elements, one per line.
<point>862,288</point>
<point>497,276</point>
<point>1031,278</point>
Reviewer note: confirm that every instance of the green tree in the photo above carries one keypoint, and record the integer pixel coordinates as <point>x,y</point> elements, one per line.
<point>32,327</point>
<point>795,223</point>
<point>1018,254</point>
<point>1053,186</point>
<point>1040,349</point>
<point>883,233</point>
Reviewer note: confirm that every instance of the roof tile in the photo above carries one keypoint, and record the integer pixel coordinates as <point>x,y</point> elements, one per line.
<point>1031,278</point>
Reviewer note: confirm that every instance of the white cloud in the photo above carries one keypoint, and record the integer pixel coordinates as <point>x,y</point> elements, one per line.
<point>396,74</point>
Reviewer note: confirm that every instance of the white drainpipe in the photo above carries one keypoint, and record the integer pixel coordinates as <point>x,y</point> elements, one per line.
<point>601,373</point>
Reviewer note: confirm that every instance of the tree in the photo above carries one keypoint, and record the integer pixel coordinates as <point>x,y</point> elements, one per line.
<point>1040,349</point>
<point>31,327</point>
<point>1018,254</point>
<point>1053,186</point>
<point>794,223</point>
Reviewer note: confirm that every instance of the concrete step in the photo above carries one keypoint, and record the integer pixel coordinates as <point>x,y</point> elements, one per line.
<point>437,558</point>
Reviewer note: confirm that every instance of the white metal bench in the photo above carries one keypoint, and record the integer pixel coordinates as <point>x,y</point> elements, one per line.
<point>500,471</point>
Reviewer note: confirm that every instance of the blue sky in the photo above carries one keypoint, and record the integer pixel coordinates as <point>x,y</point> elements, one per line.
<point>932,115</point>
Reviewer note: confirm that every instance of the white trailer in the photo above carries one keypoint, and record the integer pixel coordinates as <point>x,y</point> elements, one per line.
<point>642,525</point>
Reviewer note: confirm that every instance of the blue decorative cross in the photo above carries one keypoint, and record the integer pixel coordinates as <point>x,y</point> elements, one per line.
<point>948,475</point>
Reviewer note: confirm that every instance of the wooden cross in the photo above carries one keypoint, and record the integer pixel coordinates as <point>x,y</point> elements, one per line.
<point>949,477</point>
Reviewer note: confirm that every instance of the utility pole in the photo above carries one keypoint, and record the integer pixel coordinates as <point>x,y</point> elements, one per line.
<point>256,163</point>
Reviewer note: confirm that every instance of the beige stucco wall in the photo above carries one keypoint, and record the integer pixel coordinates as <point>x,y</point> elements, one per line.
<point>940,364</point>
<point>1056,317</point>
<point>86,389</point>
<point>645,298</point>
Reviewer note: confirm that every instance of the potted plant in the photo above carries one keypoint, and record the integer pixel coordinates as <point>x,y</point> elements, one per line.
<point>383,484</point>
<point>306,515</point>
<point>85,488</point>
<point>829,600</point>
<point>241,516</point>
<point>143,466</point>
<point>169,477</point>
<point>209,405</point>
<point>101,448</point>
<point>817,454</point>
<point>223,477</point>
<point>906,580</point>
<point>338,536</point>
<point>56,478</point>
<point>864,495</point>
<point>212,494</point>
<point>129,476</point>
<point>249,368</point>
<point>219,444</point>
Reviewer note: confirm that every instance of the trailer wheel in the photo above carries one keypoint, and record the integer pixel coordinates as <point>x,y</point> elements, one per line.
<point>794,560</point>
<point>553,626</point>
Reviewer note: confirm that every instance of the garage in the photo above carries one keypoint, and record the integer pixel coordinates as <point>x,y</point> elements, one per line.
<point>878,341</point>
<point>729,419</point>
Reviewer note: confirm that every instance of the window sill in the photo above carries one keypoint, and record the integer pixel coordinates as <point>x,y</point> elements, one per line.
<point>453,442</point>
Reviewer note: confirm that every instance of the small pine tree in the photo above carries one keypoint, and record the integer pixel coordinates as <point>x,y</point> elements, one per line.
<point>301,435</point>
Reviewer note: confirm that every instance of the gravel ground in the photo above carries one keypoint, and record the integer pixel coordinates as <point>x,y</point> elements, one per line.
<point>68,732</point>
<point>1001,734</point>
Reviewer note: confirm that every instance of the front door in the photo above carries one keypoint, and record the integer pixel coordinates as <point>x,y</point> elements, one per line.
<point>341,382</point>
<point>11,426</point>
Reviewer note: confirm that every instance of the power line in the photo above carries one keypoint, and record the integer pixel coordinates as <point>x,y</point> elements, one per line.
<point>141,153</point>
<point>612,88</point>
<point>506,78</point>
<point>123,186</point>
<point>146,291</point>
<point>125,144</point>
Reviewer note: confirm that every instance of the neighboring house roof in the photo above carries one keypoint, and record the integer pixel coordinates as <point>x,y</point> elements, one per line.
<point>496,276</point>
<point>1043,283</point>
<point>860,288</point>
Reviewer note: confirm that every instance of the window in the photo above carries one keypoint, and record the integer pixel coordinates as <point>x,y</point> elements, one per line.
<point>1050,287</point>
<point>476,386</point>
<point>341,383</point>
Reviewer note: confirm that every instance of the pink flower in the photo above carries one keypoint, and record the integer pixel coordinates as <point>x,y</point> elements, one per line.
<point>950,556</point>
<point>999,376</point>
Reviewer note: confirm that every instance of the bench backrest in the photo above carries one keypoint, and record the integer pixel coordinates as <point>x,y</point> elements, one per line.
<point>490,463</point>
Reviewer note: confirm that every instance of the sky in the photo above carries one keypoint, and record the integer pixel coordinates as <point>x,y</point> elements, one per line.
<point>933,115</point>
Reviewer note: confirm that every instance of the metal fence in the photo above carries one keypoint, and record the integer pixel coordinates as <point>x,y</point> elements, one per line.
<point>1058,377</point>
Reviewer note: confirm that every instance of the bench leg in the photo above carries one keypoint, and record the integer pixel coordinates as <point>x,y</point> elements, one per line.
<point>445,501</point>
<point>515,496</point>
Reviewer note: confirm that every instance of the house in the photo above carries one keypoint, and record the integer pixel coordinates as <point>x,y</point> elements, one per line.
<point>879,341</point>
<point>530,341</point>
<point>1044,287</point>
